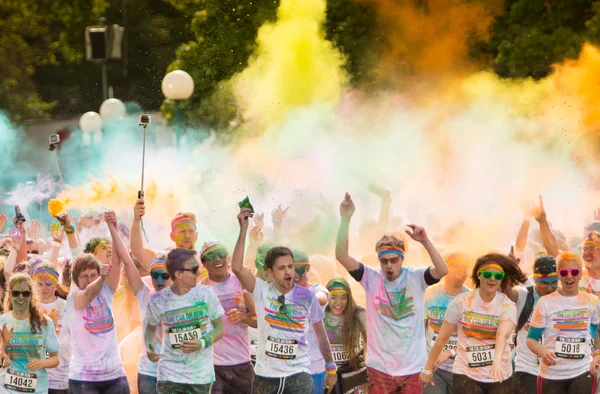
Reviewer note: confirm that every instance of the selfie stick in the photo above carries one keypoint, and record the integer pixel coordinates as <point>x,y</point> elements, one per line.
<point>144,121</point>
<point>53,146</point>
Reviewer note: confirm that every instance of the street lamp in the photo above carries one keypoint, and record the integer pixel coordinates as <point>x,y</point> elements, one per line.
<point>112,109</point>
<point>91,124</point>
<point>177,85</point>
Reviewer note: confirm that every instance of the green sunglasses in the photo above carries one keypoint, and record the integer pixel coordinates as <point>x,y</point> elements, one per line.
<point>489,274</point>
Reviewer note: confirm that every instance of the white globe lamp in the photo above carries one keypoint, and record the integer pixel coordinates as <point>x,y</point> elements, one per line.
<point>177,85</point>
<point>112,109</point>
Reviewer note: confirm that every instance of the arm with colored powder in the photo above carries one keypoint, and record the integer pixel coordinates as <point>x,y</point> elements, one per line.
<point>539,214</point>
<point>57,236</point>
<point>83,297</point>
<point>51,362</point>
<point>119,250</point>
<point>437,348</point>
<point>384,214</point>
<point>325,348</point>
<point>250,317</point>
<point>133,274</point>
<point>595,365</point>
<point>347,209</point>
<point>15,236</point>
<point>505,330</point>
<point>245,277</point>
<point>141,253</point>
<point>440,268</point>
<point>521,241</point>
<point>255,239</point>
<point>322,297</point>
<point>149,335</point>
<point>277,217</point>
<point>209,339</point>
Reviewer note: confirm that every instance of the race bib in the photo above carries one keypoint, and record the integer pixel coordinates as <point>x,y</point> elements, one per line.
<point>452,343</point>
<point>19,381</point>
<point>253,346</point>
<point>480,356</point>
<point>285,349</point>
<point>573,348</point>
<point>178,335</point>
<point>339,354</point>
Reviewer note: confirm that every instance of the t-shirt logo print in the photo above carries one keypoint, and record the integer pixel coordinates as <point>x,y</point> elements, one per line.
<point>98,318</point>
<point>571,320</point>
<point>285,316</point>
<point>395,305</point>
<point>478,325</point>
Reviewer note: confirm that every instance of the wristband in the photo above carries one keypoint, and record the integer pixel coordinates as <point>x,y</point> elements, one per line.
<point>426,371</point>
<point>69,230</point>
<point>56,244</point>
<point>596,353</point>
<point>330,368</point>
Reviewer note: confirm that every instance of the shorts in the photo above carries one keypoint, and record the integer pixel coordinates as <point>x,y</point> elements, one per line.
<point>300,383</point>
<point>382,383</point>
<point>233,379</point>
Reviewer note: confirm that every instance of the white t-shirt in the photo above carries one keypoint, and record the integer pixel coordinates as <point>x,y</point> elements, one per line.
<point>526,360</point>
<point>317,363</point>
<point>435,304</point>
<point>395,321</point>
<point>282,346</point>
<point>477,322</point>
<point>58,378</point>
<point>145,366</point>
<point>23,347</point>
<point>182,318</point>
<point>234,347</point>
<point>94,348</point>
<point>566,323</point>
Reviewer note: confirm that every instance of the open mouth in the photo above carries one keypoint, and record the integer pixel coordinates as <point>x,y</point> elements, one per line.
<point>288,280</point>
<point>20,302</point>
<point>221,265</point>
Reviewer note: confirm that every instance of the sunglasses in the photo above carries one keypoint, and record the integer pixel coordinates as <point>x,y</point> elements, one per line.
<point>574,272</point>
<point>489,274</point>
<point>282,306</point>
<point>393,260</point>
<point>192,270</point>
<point>163,275</point>
<point>17,293</point>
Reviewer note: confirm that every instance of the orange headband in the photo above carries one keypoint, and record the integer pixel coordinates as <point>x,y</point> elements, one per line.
<point>491,264</point>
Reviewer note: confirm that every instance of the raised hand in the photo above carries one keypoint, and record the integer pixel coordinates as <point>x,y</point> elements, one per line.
<point>111,218</point>
<point>511,255</point>
<point>6,335</point>
<point>105,270</point>
<point>56,232</point>
<point>417,233</point>
<point>64,219</point>
<point>347,207</point>
<point>259,220</point>
<point>16,236</point>
<point>139,209</point>
<point>256,235</point>
<point>278,214</point>
<point>243,216</point>
<point>538,212</point>
<point>34,230</point>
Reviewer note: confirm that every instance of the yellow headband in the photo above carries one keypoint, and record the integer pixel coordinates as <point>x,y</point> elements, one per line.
<point>491,264</point>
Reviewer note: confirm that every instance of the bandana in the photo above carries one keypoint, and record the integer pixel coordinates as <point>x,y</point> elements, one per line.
<point>491,264</point>
<point>42,272</point>
<point>182,220</point>
<point>551,277</point>
<point>390,249</point>
<point>208,248</point>
<point>337,288</point>
<point>158,264</point>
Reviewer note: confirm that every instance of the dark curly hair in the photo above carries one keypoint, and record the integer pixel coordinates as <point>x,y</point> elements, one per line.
<point>512,273</point>
<point>93,243</point>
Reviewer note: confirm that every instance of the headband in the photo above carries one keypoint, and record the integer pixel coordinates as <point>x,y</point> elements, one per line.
<point>43,272</point>
<point>390,249</point>
<point>590,241</point>
<point>211,249</point>
<point>491,264</point>
<point>338,288</point>
<point>551,277</point>
<point>157,264</point>
<point>100,244</point>
<point>301,262</point>
<point>182,220</point>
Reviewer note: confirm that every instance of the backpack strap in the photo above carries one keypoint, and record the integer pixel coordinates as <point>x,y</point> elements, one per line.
<point>527,309</point>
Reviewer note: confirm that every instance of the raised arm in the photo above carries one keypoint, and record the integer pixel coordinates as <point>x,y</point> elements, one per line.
<point>112,279</point>
<point>141,253</point>
<point>16,235</point>
<point>440,268</point>
<point>65,220</point>
<point>237,259</point>
<point>277,217</point>
<point>84,297</point>
<point>118,247</point>
<point>341,248</point>
<point>57,236</point>
<point>256,237</point>
<point>521,241</point>
<point>539,214</point>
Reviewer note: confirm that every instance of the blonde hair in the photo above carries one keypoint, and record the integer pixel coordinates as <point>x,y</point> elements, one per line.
<point>36,317</point>
<point>564,257</point>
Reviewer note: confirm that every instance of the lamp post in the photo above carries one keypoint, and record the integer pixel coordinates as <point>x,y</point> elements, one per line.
<point>91,124</point>
<point>177,85</point>
<point>112,109</point>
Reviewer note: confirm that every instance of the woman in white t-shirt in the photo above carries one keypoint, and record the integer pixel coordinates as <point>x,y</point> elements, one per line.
<point>34,346</point>
<point>565,321</point>
<point>53,304</point>
<point>484,319</point>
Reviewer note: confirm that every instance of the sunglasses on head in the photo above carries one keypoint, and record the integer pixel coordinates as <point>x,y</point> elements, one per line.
<point>163,275</point>
<point>282,306</point>
<point>574,272</point>
<point>17,293</point>
<point>192,270</point>
<point>490,274</point>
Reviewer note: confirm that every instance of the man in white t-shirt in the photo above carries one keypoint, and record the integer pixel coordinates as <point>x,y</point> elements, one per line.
<point>396,350</point>
<point>190,318</point>
<point>285,312</point>
<point>233,370</point>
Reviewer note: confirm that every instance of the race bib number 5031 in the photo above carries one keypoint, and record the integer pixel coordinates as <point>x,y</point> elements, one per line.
<point>285,349</point>
<point>480,356</point>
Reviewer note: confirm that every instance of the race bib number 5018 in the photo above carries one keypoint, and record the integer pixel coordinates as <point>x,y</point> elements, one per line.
<point>573,348</point>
